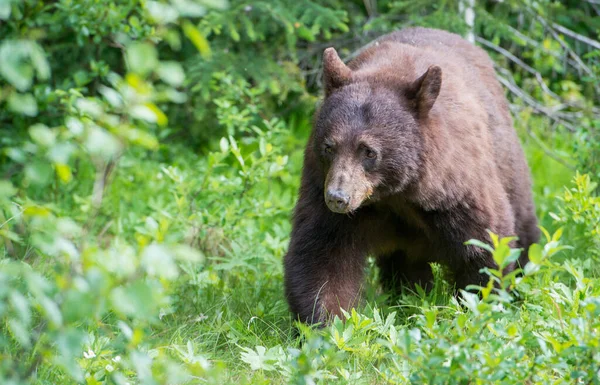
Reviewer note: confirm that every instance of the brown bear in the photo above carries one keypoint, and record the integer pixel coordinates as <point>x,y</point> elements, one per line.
<point>412,153</point>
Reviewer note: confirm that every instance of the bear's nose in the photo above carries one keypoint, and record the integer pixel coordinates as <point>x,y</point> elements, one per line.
<point>337,200</point>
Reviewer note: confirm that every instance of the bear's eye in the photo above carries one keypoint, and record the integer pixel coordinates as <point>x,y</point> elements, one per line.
<point>370,154</point>
<point>327,149</point>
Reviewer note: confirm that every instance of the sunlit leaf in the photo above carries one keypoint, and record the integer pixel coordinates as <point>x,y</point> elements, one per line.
<point>197,39</point>
<point>142,58</point>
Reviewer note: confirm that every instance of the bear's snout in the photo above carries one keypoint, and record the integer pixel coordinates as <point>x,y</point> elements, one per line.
<point>337,201</point>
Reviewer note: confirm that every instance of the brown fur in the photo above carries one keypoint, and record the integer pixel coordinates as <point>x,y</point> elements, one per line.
<point>415,144</point>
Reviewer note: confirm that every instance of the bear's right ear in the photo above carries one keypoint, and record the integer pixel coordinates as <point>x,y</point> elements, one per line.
<point>425,90</point>
<point>336,74</point>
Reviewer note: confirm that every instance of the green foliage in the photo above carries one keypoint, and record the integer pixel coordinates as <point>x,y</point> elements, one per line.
<point>580,212</point>
<point>151,154</point>
<point>487,339</point>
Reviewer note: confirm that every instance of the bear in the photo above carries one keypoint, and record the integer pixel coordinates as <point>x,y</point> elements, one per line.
<point>411,154</point>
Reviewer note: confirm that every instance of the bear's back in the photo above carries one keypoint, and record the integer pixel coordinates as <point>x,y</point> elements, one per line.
<point>479,74</point>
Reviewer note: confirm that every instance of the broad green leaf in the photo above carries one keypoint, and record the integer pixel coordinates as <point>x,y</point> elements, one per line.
<point>142,58</point>
<point>535,253</point>
<point>21,306</point>
<point>20,332</point>
<point>51,310</point>
<point>101,143</point>
<point>161,12</point>
<point>24,104</point>
<point>111,96</point>
<point>171,72</point>
<point>42,135</point>
<point>89,106</point>
<point>74,125</point>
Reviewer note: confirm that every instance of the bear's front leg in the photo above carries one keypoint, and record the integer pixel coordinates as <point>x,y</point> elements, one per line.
<point>462,224</point>
<point>324,266</point>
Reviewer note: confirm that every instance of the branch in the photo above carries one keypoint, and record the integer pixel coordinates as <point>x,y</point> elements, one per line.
<point>529,100</point>
<point>576,36</point>
<point>565,46</point>
<point>531,70</point>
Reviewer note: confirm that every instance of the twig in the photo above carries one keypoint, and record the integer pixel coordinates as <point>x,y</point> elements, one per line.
<point>520,63</point>
<point>531,70</point>
<point>371,7</point>
<point>533,103</point>
<point>101,182</point>
<point>576,36</point>
<point>565,46</point>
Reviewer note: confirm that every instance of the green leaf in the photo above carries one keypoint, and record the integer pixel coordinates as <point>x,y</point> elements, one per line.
<point>161,13</point>
<point>89,106</point>
<point>39,172</point>
<point>141,138</point>
<point>197,39</point>
<point>5,9</point>
<point>52,311</point>
<point>150,113</point>
<point>142,58</point>
<point>42,135</point>
<point>74,125</point>
<point>188,8</point>
<point>21,306</point>
<point>185,253</point>
<point>20,60</point>
<point>101,143</point>
<point>7,190</point>
<point>39,61</point>
<point>224,145</point>
<point>557,234</point>
<point>535,253</point>
<point>12,67</point>
<point>19,332</point>
<point>111,96</point>
<point>171,73</point>
<point>158,262</point>
<point>24,104</point>
<point>475,242</point>
<point>136,300</point>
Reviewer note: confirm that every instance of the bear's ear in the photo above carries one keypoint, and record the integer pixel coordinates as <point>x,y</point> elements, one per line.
<point>335,73</point>
<point>425,90</point>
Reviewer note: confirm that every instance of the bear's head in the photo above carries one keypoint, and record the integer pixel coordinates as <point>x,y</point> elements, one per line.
<point>368,131</point>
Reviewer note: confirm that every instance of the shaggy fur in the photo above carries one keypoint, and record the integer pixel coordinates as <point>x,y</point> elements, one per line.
<point>413,152</point>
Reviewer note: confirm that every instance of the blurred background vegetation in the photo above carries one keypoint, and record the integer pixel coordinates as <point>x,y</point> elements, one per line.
<point>150,154</point>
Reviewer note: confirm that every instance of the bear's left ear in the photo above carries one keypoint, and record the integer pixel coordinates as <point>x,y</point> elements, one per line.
<point>425,90</point>
<point>336,74</point>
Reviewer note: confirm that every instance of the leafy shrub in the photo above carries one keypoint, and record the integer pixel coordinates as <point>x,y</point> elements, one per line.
<point>580,212</point>
<point>487,339</point>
